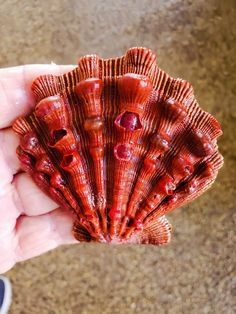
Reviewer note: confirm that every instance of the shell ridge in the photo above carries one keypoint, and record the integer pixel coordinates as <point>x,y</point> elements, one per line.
<point>54,157</point>
<point>129,125</point>
<point>46,85</point>
<point>41,165</point>
<point>203,183</point>
<point>72,161</point>
<point>89,91</point>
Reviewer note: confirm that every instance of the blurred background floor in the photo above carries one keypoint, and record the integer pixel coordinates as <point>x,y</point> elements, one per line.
<point>195,40</point>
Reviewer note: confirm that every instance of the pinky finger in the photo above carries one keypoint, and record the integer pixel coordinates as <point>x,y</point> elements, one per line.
<point>36,235</point>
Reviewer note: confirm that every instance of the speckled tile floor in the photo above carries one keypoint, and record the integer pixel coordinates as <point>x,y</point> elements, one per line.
<point>196,272</point>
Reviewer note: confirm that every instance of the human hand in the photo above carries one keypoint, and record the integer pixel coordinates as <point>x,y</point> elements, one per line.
<point>30,222</point>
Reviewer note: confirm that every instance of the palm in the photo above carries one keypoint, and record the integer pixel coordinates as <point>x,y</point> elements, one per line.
<point>30,223</point>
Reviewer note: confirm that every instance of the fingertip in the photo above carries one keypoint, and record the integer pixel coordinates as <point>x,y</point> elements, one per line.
<point>9,142</point>
<point>33,200</point>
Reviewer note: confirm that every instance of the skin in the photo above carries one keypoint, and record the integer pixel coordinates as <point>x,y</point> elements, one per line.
<point>30,222</point>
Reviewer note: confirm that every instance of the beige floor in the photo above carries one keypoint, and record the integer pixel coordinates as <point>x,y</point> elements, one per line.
<point>196,272</point>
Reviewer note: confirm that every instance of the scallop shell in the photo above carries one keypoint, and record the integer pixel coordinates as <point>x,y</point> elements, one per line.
<point>121,144</point>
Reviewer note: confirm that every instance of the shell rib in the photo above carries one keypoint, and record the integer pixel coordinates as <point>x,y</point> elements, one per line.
<point>121,144</point>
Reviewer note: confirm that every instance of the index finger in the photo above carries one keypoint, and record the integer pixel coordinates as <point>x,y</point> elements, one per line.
<point>16,97</point>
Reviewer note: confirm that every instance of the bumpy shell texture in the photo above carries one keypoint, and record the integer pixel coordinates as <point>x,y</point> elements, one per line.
<point>121,144</point>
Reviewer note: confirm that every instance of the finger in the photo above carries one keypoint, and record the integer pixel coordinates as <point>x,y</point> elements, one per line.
<point>6,175</point>
<point>36,235</point>
<point>33,201</point>
<point>8,144</point>
<point>16,97</point>
<point>10,206</point>
<point>7,256</point>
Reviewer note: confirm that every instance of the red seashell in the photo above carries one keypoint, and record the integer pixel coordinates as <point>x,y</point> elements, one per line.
<point>122,144</point>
